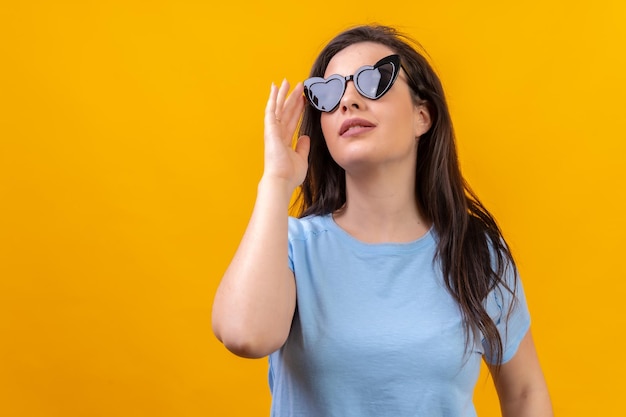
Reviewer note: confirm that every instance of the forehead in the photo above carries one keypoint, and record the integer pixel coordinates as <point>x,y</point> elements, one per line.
<point>353,57</point>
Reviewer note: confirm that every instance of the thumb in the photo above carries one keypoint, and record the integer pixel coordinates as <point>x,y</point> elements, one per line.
<point>303,146</point>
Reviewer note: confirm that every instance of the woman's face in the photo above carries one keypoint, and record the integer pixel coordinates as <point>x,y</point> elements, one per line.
<point>364,134</point>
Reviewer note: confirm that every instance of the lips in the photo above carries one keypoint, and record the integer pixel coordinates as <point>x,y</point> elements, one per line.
<point>355,126</point>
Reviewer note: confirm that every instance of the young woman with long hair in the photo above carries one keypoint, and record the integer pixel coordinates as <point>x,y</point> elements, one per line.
<point>394,281</point>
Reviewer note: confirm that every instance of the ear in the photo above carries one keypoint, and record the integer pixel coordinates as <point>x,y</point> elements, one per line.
<point>422,119</point>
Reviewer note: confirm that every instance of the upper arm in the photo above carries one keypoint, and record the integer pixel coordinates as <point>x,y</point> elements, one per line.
<point>520,383</point>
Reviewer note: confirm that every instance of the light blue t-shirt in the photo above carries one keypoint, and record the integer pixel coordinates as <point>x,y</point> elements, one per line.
<point>375,332</point>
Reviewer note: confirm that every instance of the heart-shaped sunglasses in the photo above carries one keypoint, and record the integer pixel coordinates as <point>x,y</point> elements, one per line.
<point>371,81</point>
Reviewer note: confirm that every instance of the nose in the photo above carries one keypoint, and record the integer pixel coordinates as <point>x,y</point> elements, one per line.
<point>351,99</point>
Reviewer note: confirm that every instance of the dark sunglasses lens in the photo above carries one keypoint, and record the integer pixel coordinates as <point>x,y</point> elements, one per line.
<point>325,95</point>
<point>375,82</point>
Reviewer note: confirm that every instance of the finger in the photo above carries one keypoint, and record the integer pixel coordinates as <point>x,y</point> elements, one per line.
<point>280,99</point>
<point>270,107</point>
<point>294,96</point>
<point>293,104</point>
<point>295,115</point>
<point>293,108</point>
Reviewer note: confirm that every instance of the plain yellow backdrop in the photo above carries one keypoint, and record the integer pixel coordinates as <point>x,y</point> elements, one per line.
<point>130,150</point>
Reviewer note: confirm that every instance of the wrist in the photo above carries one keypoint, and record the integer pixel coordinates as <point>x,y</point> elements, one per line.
<point>276,187</point>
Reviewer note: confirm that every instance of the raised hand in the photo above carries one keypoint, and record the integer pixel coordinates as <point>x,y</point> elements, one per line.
<point>282,113</point>
<point>255,302</point>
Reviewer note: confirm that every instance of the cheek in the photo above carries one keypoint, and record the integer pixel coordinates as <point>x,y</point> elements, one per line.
<point>325,122</point>
<point>400,122</point>
<point>409,114</point>
<point>330,132</point>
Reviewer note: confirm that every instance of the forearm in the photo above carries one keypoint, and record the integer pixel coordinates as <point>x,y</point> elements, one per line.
<point>255,301</point>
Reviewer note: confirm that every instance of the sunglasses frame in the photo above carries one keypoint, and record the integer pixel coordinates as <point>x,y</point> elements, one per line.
<point>394,60</point>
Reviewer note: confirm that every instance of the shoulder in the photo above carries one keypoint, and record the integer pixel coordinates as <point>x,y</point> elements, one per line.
<point>307,227</point>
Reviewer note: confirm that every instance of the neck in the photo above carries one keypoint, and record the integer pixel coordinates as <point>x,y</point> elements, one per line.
<point>381,207</point>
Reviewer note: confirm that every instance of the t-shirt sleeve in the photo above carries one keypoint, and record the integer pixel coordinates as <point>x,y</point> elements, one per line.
<point>510,314</point>
<point>294,233</point>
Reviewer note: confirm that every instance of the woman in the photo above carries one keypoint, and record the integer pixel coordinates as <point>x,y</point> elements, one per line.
<point>393,283</point>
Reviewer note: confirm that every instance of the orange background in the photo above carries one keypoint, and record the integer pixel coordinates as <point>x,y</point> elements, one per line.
<point>130,150</point>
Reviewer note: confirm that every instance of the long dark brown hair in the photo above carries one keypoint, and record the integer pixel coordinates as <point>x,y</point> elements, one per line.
<point>471,250</point>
